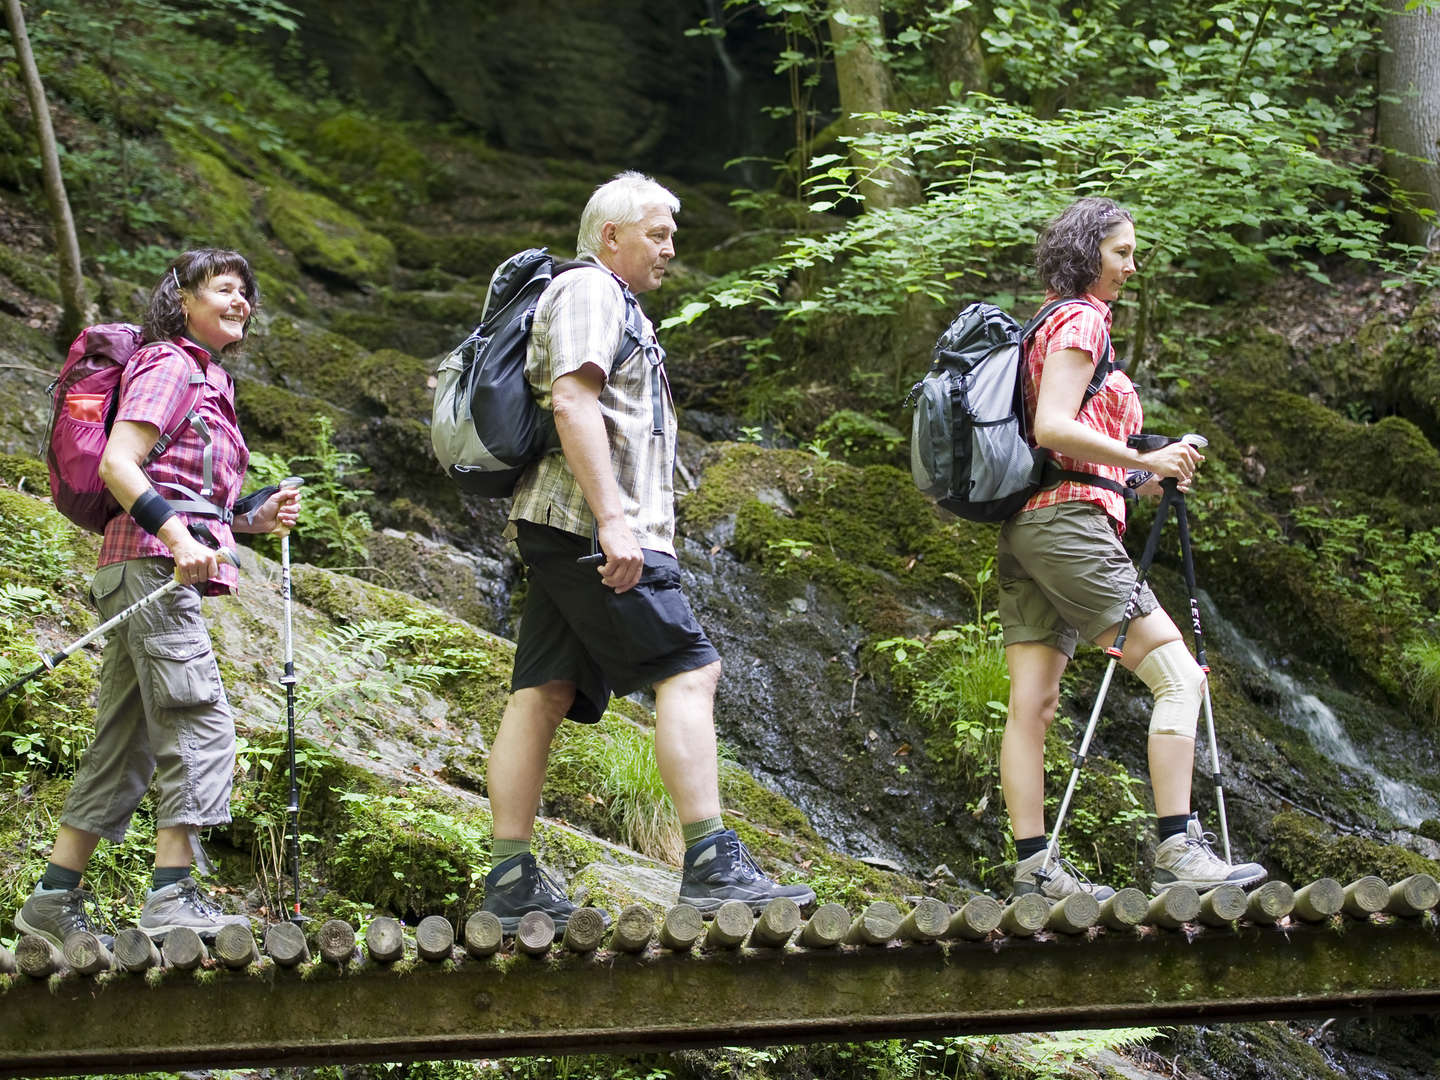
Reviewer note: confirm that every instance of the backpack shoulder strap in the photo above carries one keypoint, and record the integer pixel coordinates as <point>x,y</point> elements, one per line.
<point>190,416</point>
<point>1103,364</point>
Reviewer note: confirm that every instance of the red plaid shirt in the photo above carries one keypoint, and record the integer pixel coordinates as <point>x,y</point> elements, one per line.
<point>1114,411</point>
<point>155,386</point>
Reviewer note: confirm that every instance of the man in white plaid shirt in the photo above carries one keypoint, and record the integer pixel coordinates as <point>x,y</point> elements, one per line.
<point>595,526</point>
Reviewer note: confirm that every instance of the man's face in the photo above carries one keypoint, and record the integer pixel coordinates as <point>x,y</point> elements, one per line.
<point>639,252</point>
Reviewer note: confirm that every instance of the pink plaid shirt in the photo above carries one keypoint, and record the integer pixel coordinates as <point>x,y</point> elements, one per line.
<point>155,385</point>
<point>1114,411</point>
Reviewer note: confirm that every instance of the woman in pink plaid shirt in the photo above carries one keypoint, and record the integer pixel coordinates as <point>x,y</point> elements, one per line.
<point>162,711</point>
<point>1064,573</point>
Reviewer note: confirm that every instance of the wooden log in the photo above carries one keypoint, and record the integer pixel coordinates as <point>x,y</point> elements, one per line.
<point>876,925</point>
<point>1024,915</point>
<point>235,946</point>
<point>827,926</point>
<point>776,925</point>
<point>335,942</point>
<point>731,925</point>
<point>1365,896</point>
<point>633,929</point>
<point>85,954</point>
<point>7,961</point>
<point>1270,903</point>
<point>183,949</point>
<point>1073,914</point>
<point>1173,908</point>
<point>434,938</point>
<point>284,943</point>
<point>535,934</point>
<point>135,951</point>
<point>1125,910</point>
<point>1222,905</point>
<point>1319,900</point>
<point>974,921</point>
<point>927,921</point>
<point>681,928</point>
<point>1413,896</point>
<point>483,936</point>
<point>37,957</point>
<point>385,940</point>
<point>585,930</point>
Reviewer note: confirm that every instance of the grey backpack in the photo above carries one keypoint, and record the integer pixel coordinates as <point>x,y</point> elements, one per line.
<point>485,426</point>
<point>969,448</point>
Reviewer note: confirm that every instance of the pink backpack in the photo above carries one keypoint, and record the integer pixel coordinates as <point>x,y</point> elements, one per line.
<point>84,397</point>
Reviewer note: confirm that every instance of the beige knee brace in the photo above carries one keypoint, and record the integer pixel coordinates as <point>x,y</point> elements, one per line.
<point>1178,685</point>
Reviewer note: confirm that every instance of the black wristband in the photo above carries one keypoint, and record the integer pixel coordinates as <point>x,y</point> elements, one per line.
<point>150,511</point>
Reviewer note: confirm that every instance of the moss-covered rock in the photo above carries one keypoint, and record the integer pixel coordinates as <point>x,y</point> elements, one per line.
<point>1302,849</point>
<point>327,238</point>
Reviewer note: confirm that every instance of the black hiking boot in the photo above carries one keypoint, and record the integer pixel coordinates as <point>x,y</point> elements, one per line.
<point>720,868</point>
<point>518,886</point>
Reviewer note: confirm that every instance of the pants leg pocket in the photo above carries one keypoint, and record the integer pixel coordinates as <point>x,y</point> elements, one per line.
<point>183,671</point>
<point>653,619</point>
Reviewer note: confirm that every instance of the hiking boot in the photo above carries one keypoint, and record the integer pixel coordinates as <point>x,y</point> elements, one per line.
<point>518,886</point>
<point>720,868</point>
<point>1187,859</point>
<point>1056,883</point>
<point>56,914</point>
<point>183,904</point>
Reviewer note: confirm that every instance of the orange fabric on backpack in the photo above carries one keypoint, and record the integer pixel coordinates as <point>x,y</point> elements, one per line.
<point>87,407</point>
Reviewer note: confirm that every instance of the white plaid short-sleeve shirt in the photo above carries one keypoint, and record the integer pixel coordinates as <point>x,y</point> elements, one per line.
<point>580,320</point>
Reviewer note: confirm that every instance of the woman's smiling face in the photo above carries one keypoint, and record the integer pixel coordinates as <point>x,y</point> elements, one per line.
<point>216,312</point>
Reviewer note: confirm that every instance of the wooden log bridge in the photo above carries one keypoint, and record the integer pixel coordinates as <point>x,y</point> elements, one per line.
<point>648,984</point>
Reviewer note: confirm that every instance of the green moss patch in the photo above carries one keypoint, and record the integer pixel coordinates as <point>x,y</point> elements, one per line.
<point>1302,849</point>
<point>326,237</point>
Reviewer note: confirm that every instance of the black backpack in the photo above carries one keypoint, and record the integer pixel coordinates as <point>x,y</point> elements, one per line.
<point>968,444</point>
<point>486,427</point>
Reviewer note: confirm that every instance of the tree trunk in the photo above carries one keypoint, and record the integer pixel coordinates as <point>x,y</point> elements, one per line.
<point>960,60</point>
<point>864,85</point>
<point>1409,120</point>
<point>67,244</point>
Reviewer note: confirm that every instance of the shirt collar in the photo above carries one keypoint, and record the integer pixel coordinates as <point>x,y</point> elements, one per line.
<point>198,352</point>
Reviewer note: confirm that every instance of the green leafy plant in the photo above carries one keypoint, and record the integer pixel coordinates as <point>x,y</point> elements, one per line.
<point>958,683</point>
<point>333,525</point>
<point>1420,660</point>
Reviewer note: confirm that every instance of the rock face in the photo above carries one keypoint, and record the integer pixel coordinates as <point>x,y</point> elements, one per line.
<point>617,82</point>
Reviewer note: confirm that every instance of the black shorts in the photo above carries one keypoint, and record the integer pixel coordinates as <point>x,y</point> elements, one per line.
<point>576,629</point>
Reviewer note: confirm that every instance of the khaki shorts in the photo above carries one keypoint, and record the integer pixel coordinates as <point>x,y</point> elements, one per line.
<point>1064,574</point>
<point>161,712</point>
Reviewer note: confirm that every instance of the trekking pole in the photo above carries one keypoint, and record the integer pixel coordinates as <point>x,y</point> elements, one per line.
<point>1182,520</point>
<point>292,811</point>
<point>48,663</point>
<point>1115,650</point>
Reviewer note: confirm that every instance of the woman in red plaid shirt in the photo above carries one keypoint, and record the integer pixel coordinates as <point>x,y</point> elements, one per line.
<point>162,710</point>
<point>1064,573</point>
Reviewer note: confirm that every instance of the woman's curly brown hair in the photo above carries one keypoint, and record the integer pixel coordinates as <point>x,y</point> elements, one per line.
<point>1067,255</point>
<point>165,317</point>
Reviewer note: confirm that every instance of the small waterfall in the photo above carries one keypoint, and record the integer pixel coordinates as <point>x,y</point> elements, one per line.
<point>1305,711</point>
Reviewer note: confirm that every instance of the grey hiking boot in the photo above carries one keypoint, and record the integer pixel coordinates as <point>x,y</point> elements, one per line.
<point>518,886</point>
<point>183,904</point>
<point>55,914</point>
<point>1187,859</point>
<point>1056,883</point>
<point>720,868</point>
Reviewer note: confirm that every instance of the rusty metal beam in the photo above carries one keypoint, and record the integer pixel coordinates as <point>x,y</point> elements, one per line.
<point>564,1003</point>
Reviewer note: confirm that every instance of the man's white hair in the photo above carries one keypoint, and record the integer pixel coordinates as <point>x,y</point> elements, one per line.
<point>624,201</point>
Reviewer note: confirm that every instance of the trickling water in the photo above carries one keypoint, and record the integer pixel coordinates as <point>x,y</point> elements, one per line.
<point>1304,710</point>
